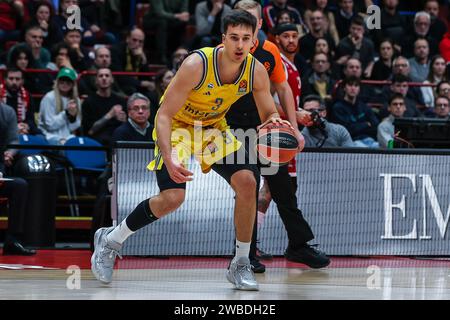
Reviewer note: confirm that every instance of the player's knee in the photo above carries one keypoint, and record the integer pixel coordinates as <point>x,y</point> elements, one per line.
<point>244,183</point>
<point>172,199</point>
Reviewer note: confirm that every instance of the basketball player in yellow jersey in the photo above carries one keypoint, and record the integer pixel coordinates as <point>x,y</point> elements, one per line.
<point>196,101</point>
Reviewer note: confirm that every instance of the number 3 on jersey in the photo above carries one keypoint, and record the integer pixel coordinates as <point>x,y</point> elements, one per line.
<point>218,103</point>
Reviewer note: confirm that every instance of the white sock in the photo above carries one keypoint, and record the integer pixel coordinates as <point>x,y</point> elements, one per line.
<point>242,249</point>
<point>261,216</point>
<point>120,233</point>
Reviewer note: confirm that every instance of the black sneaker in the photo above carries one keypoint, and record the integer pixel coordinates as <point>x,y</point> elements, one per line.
<point>257,266</point>
<point>263,255</point>
<point>308,255</point>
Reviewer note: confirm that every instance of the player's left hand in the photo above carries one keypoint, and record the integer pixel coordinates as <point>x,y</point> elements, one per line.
<point>300,139</point>
<point>274,120</point>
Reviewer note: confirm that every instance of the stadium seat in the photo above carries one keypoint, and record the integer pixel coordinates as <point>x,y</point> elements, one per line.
<point>31,140</point>
<point>86,160</point>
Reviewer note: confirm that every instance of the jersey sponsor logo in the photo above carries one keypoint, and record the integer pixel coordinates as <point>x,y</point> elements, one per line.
<point>199,114</point>
<point>242,87</point>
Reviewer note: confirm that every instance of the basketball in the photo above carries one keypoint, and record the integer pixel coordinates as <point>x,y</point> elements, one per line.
<point>276,144</point>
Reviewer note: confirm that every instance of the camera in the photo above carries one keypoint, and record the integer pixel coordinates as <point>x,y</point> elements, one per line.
<point>317,120</point>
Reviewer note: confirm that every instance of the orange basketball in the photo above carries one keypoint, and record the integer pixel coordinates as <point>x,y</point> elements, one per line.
<point>276,144</point>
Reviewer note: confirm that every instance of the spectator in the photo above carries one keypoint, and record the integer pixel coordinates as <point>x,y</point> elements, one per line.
<point>385,132</point>
<point>62,56</point>
<point>169,19</point>
<point>79,54</point>
<point>322,46</point>
<point>87,84</point>
<point>357,46</point>
<point>343,16</point>
<point>60,113</point>
<point>438,27</point>
<point>208,19</point>
<point>163,79</point>
<point>11,13</point>
<point>308,41</point>
<point>16,96</point>
<point>382,69</point>
<point>327,135</point>
<point>443,89</point>
<point>106,15</point>
<point>442,108</point>
<point>328,21</point>
<point>272,11</point>
<point>33,40</point>
<point>437,74</point>
<point>319,81</point>
<point>130,57</point>
<point>422,22</point>
<point>103,111</point>
<point>400,85</point>
<point>91,34</point>
<point>356,116</point>
<point>400,66</point>
<point>177,58</point>
<point>16,190</point>
<point>43,17</point>
<point>353,69</point>
<point>285,16</point>
<point>420,63</point>
<point>393,25</point>
<point>137,127</point>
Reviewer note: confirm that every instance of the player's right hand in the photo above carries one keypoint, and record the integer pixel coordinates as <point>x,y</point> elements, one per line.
<point>178,172</point>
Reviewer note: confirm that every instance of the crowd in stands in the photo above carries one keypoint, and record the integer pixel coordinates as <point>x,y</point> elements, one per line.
<point>82,93</point>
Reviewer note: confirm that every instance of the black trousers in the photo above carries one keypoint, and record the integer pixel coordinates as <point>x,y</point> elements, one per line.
<point>283,194</point>
<point>17,193</point>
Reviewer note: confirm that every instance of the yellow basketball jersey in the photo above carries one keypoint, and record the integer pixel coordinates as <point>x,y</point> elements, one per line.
<point>208,103</point>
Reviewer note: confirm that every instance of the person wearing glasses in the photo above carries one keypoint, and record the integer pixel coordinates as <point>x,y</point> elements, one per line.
<point>137,127</point>
<point>442,108</point>
<point>443,89</point>
<point>324,134</point>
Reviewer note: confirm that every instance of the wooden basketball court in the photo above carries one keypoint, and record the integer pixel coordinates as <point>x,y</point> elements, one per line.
<point>46,276</point>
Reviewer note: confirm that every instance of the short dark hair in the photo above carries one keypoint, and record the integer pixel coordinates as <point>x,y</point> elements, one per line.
<point>239,17</point>
<point>440,84</point>
<point>314,97</point>
<point>357,20</point>
<point>400,78</point>
<point>442,97</point>
<point>351,80</point>
<point>13,69</point>
<point>395,96</point>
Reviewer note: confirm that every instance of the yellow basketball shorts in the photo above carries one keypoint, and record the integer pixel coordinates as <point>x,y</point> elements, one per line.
<point>207,144</point>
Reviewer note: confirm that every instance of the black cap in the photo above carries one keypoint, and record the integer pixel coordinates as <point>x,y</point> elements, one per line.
<point>285,27</point>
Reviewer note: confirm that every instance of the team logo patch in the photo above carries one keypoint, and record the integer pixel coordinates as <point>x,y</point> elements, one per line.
<point>212,147</point>
<point>210,85</point>
<point>242,86</point>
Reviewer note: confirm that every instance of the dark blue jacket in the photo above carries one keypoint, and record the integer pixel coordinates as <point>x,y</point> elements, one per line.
<point>359,119</point>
